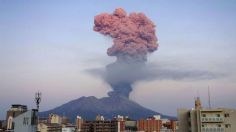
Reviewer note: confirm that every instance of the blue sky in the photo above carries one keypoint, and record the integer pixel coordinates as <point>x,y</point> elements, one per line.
<point>48,46</point>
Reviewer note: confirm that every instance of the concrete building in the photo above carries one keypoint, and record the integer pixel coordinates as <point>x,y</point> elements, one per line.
<point>26,122</point>
<point>79,122</point>
<point>100,118</point>
<point>2,125</point>
<point>156,124</point>
<point>55,119</point>
<point>49,127</point>
<point>207,119</point>
<point>168,125</point>
<point>100,125</point>
<point>14,111</point>
<point>149,125</point>
<point>121,124</point>
<point>130,126</point>
<point>68,128</point>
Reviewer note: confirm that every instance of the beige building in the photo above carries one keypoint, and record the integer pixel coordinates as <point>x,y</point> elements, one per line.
<point>206,119</point>
<point>49,127</point>
<point>54,118</point>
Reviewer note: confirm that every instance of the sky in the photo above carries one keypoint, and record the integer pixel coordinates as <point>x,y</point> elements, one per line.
<point>49,46</point>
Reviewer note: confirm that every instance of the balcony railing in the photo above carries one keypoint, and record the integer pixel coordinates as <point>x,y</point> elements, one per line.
<point>212,119</point>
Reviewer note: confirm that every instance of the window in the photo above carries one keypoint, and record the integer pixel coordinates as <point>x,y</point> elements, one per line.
<point>227,125</point>
<point>226,114</point>
<point>203,115</point>
<point>218,115</point>
<point>189,114</point>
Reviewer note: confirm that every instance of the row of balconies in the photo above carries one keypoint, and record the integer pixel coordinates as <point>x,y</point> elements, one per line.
<point>213,129</point>
<point>212,119</point>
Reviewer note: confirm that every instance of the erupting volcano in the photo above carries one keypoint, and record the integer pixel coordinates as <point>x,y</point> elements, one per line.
<point>133,38</point>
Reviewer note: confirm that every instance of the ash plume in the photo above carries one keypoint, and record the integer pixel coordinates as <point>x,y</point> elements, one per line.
<point>133,38</point>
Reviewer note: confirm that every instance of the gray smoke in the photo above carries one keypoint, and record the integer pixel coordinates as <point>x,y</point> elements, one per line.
<point>133,38</point>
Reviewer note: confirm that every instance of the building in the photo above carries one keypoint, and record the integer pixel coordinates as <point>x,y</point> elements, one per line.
<point>130,126</point>
<point>55,119</point>
<point>68,128</point>
<point>149,125</point>
<point>206,119</point>
<point>2,122</point>
<point>79,122</point>
<point>26,122</point>
<point>168,125</point>
<point>55,123</point>
<point>49,127</point>
<point>100,125</point>
<point>100,118</point>
<point>156,124</point>
<point>14,111</point>
<point>121,124</point>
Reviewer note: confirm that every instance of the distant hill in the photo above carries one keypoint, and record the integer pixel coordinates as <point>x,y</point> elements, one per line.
<point>109,107</point>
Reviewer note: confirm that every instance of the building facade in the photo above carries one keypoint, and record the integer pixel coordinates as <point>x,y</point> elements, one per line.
<point>149,125</point>
<point>49,127</point>
<point>26,122</point>
<point>100,125</point>
<point>54,118</point>
<point>68,128</point>
<point>207,119</point>
<point>14,111</point>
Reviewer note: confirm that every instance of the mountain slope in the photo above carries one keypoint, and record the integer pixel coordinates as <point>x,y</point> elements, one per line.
<point>109,107</point>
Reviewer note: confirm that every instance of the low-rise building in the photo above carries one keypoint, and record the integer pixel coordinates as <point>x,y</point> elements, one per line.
<point>55,119</point>
<point>149,125</point>
<point>49,127</point>
<point>68,128</point>
<point>169,126</point>
<point>100,125</point>
<point>130,126</point>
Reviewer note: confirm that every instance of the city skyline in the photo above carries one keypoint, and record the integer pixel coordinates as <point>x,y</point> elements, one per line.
<point>50,46</point>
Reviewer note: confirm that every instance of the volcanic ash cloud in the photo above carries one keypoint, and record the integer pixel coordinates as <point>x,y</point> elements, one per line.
<point>133,38</point>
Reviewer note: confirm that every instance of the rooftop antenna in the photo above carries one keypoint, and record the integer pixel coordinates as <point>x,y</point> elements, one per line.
<point>38,97</point>
<point>198,104</point>
<point>209,98</point>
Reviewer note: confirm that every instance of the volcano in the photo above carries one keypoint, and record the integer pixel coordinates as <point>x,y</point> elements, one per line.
<point>133,39</point>
<point>109,107</point>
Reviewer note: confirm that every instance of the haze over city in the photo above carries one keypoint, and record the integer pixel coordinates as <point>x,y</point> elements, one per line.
<point>50,46</point>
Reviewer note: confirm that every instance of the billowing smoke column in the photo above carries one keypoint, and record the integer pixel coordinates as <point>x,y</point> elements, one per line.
<point>133,37</point>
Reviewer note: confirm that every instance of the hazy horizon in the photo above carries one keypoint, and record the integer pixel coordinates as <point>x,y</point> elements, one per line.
<point>50,46</point>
